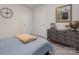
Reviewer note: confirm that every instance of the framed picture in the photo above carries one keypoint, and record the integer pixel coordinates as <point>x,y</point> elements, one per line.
<point>64,13</point>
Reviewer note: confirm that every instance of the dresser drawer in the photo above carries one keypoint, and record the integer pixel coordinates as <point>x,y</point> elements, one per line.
<point>66,37</point>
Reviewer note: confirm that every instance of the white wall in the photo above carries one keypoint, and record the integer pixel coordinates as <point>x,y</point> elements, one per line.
<point>40,21</point>
<point>19,23</point>
<point>24,18</point>
<point>44,15</point>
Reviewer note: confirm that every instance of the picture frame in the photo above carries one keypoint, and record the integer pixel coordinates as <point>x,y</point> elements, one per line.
<point>64,13</point>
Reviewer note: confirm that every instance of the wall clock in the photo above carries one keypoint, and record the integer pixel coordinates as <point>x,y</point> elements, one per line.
<point>6,13</point>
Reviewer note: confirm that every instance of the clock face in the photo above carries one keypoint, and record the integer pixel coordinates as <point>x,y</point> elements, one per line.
<point>6,12</point>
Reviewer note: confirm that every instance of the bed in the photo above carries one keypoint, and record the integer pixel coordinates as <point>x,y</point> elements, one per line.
<point>13,46</point>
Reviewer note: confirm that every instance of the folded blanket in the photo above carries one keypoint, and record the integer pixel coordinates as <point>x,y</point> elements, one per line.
<point>25,38</point>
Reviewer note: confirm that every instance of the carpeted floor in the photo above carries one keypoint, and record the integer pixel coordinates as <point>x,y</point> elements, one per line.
<point>63,50</point>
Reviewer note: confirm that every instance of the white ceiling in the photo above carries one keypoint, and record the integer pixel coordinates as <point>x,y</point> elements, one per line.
<point>32,5</point>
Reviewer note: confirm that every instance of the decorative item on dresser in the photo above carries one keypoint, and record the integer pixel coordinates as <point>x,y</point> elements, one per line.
<point>65,37</point>
<point>74,25</point>
<point>53,25</point>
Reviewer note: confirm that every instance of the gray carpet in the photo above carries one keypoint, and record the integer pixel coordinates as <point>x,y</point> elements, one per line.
<point>63,50</point>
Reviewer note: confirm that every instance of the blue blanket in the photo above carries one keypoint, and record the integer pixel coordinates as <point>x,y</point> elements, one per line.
<point>13,46</point>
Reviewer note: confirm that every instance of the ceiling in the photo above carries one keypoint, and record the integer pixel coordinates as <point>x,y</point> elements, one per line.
<point>31,5</point>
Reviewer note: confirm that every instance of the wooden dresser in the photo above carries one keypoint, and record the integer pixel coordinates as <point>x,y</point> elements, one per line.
<point>65,37</point>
